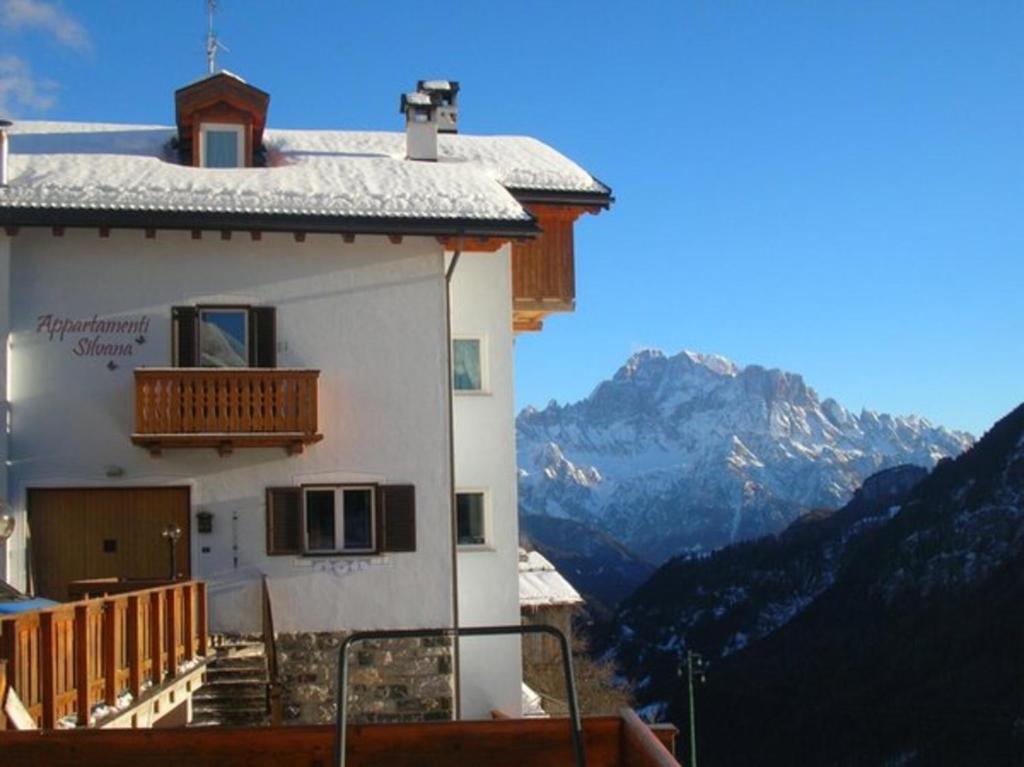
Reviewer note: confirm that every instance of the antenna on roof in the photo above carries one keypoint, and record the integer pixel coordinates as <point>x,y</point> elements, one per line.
<point>212,43</point>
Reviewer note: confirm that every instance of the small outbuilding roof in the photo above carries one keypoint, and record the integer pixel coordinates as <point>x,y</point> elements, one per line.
<point>540,584</point>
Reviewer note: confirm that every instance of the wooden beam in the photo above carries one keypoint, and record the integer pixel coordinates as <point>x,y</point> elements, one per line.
<point>104,232</point>
<point>58,231</point>
<point>197,234</point>
<point>151,234</point>
<point>299,236</point>
<point>11,231</point>
<point>348,238</point>
<point>256,235</point>
<point>225,234</point>
<point>82,664</point>
<point>395,239</point>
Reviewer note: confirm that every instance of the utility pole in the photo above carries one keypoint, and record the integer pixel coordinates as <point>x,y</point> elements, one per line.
<point>693,660</point>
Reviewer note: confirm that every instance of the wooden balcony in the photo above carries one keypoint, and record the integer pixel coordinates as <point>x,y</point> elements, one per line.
<point>95,661</point>
<point>225,408</point>
<point>543,269</point>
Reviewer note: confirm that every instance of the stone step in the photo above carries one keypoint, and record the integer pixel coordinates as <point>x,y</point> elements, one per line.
<point>246,661</point>
<point>215,674</point>
<point>215,708</point>
<point>230,692</point>
<point>231,720</point>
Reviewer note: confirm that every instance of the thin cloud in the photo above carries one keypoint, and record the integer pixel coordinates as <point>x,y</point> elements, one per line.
<point>47,17</point>
<point>19,88</point>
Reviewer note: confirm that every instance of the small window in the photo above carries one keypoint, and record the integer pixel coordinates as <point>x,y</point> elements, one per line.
<point>222,146</point>
<point>469,508</point>
<point>467,364</point>
<point>339,519</point>
<point>223,338</point>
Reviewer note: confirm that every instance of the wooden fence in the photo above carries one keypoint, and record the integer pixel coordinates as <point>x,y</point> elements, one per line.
<point>65,660</point>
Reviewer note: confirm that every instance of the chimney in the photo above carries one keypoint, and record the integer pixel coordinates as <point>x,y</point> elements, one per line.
<point>420,126</point>
<point>445,94</point>
<point>4,140</point>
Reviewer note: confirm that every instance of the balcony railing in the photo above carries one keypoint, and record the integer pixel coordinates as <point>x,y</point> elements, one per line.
<point>225,408</point>
<point>68,662</point>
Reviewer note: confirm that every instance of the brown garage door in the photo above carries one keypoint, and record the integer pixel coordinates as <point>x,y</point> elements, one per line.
<point>102,533</point>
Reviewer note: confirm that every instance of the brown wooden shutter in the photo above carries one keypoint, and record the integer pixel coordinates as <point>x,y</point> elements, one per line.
<point>263,337</point>
<point>396,505</point>
<point>284,520</point>
<point>183,328</point>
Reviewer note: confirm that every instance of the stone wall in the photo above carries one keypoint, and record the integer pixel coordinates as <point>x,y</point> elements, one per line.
<point>393,680</point>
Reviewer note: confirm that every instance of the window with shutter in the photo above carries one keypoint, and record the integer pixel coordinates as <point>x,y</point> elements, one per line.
<point>397,505</point>
<point>183,336</point>
<point>224,336</point>
<point>284,520</point>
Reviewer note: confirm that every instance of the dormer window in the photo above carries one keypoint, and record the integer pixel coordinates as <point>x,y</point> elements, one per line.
<point>220,122</point>
<point>221,145</point>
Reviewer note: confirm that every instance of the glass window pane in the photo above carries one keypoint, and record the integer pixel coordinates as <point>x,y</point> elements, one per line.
<point>358,519</point>
<point>466,360</point>
<point>223,338</point>
<point>320,520</point>
<point>221,148</point>
<point>469,508</point>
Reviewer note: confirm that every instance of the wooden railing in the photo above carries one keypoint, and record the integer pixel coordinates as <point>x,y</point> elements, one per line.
<point>225,407</point>
<point>609,742</point>
<point>65,660</point>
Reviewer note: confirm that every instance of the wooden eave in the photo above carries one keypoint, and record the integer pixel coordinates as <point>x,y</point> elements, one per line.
<point>477,232</point>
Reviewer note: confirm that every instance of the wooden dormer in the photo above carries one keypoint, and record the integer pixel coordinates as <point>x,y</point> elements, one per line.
<point>220,121</point>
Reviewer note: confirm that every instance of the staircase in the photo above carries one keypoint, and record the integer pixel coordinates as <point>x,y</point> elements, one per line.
<point>235,693</point>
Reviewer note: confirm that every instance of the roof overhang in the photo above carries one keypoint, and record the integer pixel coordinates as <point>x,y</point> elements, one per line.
<point>598,200</point>
<point>212,220</point>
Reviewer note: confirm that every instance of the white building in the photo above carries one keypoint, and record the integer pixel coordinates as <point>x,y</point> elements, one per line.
<point>268,338</point>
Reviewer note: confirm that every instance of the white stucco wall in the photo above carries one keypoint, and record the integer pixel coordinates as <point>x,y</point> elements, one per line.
<point>369,315</point>
<point>5,303</point>
<point>491,668</point>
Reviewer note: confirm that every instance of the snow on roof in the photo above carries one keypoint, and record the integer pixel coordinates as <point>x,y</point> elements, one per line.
<point>541,584</point>
<point>314,173</point>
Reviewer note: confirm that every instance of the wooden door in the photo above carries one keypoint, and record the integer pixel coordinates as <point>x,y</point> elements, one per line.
<point>103,533</point>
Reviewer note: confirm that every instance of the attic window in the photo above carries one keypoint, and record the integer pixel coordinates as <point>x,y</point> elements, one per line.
<point>222,145</point>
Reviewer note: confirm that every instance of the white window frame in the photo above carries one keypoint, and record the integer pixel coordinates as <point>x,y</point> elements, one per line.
<point>243,310</point>
<point>204,128</point>
<point>488,544</point>
<point>339,518</point>
<point>485,379</point>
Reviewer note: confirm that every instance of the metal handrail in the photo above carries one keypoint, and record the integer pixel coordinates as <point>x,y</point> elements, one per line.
<point>575,725</point>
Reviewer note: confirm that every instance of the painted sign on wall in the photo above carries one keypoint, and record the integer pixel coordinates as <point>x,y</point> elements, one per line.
<point>97,336</point>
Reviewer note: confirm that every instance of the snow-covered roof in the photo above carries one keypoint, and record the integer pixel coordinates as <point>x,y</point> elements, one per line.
<point>540,584</point>
<point>334,174</point>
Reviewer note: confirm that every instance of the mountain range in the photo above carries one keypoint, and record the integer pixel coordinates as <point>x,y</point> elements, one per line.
<point>690,453</point>
<point>885,633</point>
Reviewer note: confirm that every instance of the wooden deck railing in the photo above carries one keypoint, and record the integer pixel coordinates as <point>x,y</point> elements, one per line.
<point>65,660</point>
<point>225,407</point>
<point>609,742</point>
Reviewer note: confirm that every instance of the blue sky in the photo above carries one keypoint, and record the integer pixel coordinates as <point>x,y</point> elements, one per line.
<point>833,188</point>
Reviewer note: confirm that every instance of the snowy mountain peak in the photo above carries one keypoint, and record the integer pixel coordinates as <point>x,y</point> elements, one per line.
<point>691,451</point>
